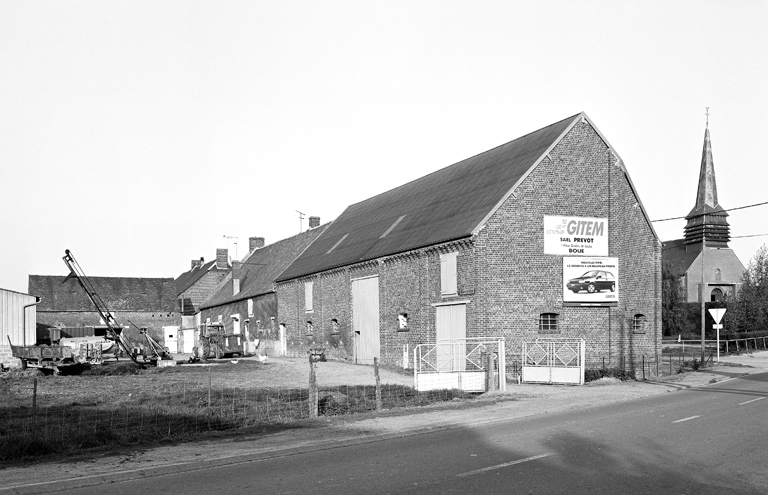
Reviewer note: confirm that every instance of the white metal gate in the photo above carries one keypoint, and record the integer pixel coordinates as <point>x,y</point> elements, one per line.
<point>459,364</point>
<point>554,361</point>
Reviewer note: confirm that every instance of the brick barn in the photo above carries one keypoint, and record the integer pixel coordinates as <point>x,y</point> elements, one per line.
<point>497,245</point>
<point>135,302</point>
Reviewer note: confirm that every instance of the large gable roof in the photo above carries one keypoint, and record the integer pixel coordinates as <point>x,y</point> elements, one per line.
<point>259,269</point>
<point>119,293</point>
<point>445,205</point>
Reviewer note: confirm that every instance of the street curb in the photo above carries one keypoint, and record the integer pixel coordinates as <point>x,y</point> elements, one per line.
<point>120,476</point>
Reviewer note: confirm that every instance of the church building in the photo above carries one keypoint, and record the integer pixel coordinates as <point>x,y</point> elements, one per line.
<point>702,259</point>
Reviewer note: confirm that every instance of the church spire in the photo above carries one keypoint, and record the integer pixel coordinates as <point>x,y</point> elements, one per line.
<point>707,218</point>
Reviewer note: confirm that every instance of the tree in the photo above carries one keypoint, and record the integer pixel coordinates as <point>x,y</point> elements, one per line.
<point>674,308</point>
<point>751,312</point>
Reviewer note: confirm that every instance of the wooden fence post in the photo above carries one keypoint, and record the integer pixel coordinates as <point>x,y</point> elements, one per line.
<point>34,403</point>
<point>378,383</point>
<point>312,389</point>
<point>489,372</point>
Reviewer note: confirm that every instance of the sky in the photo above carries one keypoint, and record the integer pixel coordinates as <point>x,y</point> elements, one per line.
<point>141,135</point>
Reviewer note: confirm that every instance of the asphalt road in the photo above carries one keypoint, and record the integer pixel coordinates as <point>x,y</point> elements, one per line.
<point>708,440</point>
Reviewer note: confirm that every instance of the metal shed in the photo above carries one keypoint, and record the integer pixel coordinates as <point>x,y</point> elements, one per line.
<point>18,320</point>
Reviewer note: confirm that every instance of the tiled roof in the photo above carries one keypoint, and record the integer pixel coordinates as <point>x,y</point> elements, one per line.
<point>260,268</point>
<point>119,293</point>
<point>445,205</point>
<point>188,278</point>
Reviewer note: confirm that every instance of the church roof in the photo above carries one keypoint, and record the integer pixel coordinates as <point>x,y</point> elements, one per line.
<point>677,257</point>
<point>706,193</point>
<point>706,221</point>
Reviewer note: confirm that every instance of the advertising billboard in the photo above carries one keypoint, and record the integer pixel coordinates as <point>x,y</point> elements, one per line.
<point>590,281</point>
<point>576,236</point>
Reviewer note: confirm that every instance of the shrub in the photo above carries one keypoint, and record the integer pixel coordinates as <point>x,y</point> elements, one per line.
<point>596,374</point>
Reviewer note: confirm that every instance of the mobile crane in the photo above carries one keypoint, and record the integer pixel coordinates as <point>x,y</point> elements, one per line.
<point>88,350</point>
<point>114,330</point>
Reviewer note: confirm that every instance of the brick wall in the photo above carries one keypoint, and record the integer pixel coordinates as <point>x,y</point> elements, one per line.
<point>152,321</point>
<point>517,281</point>
<point>259,325</point>
<point>198,293</point>
<point>503,273</point>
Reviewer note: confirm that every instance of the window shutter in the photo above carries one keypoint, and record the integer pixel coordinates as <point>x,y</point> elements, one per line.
<point>308,296</point>
<point>448,285</point>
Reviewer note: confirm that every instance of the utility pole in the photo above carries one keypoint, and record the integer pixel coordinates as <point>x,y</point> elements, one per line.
<point>703,310</point>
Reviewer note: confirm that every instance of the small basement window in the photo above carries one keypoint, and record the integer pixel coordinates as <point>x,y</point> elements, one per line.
<point>638,323</point>
<point>548,323</point>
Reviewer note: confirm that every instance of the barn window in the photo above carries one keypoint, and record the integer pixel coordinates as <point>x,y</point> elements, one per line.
<point>638,323</point>
<point>448,286</point>
<point>308,289</point>
<point>548,323</point>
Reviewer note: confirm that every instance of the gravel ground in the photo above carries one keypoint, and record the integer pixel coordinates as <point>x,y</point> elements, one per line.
<point>322,433</point>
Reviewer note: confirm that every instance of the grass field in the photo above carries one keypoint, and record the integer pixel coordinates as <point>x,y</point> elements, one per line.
<point>119,405</point>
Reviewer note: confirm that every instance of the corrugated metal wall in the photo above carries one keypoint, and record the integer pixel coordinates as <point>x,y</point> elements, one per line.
<point>12,324</point>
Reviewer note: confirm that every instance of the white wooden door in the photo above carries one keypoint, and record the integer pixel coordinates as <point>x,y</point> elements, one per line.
<point>189,340</point>
<point>171,338</point>
<point>451,325</point>
<point>365,319</point>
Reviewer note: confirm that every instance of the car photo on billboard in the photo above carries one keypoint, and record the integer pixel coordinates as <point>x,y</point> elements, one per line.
<point>593,281</point>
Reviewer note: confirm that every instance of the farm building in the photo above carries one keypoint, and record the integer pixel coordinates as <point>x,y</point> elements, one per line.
<point>702,256</point>
<point>197,284</point>
<point>135,302</point>
<point>246,302</point>
<point>17,323</point>
<point>542,237</point>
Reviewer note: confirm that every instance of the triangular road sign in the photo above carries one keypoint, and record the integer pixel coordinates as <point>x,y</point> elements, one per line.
<point>717,314</point>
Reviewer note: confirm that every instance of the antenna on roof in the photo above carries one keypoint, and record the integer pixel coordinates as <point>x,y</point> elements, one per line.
<point>301,218</point>
<point>233,237</point>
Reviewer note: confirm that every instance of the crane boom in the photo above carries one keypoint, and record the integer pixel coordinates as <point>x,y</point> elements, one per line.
<point>114,330</point>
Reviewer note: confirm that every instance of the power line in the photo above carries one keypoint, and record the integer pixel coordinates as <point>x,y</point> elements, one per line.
<point>740,236</point>
<point>729,209</point>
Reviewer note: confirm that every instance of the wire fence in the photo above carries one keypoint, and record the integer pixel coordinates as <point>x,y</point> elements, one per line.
<point>28,426</point>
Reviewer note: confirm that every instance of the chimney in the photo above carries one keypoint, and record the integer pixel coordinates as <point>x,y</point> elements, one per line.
<point>255,243</point>
<point>197,263</point>
<point>314,222</point>
<point>222,259</point>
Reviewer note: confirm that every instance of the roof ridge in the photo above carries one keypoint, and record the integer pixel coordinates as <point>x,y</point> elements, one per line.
<point>441,169</point>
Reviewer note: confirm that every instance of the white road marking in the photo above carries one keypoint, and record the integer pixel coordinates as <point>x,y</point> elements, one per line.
<point>491,468</point>
<point>686,419</point>
<point>753,400</point>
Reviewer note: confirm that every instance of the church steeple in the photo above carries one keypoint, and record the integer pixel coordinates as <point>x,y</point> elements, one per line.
<point>706,221</point>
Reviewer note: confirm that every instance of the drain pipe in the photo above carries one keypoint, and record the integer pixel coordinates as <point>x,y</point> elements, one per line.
<point>24,315</point>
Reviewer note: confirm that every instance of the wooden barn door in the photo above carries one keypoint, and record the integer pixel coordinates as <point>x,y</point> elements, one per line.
<point>451,325</point>
<point>365,319</point>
